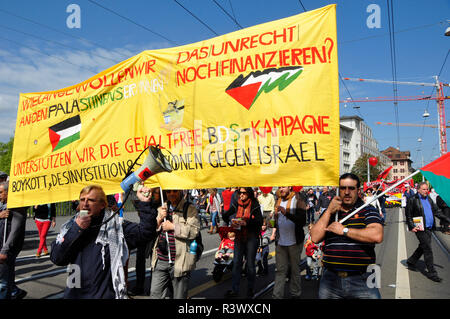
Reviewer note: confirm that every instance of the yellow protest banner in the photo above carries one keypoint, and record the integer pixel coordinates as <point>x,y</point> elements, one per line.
<point>256,107</point>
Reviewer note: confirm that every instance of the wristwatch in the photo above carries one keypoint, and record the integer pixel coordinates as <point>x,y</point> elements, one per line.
<point>345,230</point>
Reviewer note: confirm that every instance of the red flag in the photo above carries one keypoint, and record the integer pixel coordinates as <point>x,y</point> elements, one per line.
<point>384,173</point>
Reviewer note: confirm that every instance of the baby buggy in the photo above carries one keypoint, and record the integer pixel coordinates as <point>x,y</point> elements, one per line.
<point>223,261</point>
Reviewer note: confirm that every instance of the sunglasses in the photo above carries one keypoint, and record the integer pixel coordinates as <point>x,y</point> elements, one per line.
<point>344,188</point>
<point>240,193</point>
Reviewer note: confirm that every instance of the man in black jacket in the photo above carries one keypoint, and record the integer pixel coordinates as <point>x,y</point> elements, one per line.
<point>12,232</point>
<point>421,205</point>
<point>96,246</point>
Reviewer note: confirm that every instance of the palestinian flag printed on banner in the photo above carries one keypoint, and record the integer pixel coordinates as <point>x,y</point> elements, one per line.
<point>246,90</point>
<point>438,174</point>
<point>65,132</point>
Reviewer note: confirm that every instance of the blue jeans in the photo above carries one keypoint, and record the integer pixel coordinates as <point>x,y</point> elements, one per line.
<point>352,287</point>
<point>247,248</point>
<point>214,218</point>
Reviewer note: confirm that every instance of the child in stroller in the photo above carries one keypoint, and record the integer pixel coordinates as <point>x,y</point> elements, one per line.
<point>224,255</point>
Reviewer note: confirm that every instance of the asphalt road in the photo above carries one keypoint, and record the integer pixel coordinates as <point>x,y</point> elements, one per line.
<point>42,279</point>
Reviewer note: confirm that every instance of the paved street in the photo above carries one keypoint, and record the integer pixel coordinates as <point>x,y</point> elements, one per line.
<point>42,279</point>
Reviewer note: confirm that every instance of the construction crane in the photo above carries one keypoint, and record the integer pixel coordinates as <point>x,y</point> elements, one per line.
<point>408,124</point>
<point>439,99</point>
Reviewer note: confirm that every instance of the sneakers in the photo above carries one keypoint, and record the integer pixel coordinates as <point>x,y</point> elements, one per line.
<point>45,253</point>
<point>38,255</point>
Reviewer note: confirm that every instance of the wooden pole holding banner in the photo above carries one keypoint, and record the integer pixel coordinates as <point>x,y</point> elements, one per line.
<point>378,196</point>
<point>167,236</point>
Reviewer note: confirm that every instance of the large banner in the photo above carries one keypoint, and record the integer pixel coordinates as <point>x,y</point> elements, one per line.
<point>256,107</point>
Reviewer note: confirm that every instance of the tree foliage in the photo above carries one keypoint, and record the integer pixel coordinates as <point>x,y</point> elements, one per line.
<point>6,155</point>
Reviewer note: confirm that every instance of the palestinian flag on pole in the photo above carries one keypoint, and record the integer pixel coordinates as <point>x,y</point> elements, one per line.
<point>438,174</point>
<point>65,132</point>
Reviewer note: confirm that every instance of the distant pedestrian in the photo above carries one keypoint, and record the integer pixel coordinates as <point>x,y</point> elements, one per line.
<point>311,206</point>
<point>263,249</point>
<point>324,200</point>
<point>202,203</point>
<point>214,208</point>
<point>421,206</point>
<point>44,217</point>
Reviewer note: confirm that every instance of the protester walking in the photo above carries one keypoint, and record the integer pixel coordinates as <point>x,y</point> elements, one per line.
<point>178,225</point>
<point>214,207</point>
<point>290,217</point>
<point>349,247</point>
<point>96,245</point>
<point>245,216</point>
<point>12,232</point>
<point>44,217</point>
<point>422,207</point>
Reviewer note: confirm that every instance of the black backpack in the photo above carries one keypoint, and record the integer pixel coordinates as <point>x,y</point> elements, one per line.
<point>198,239</point>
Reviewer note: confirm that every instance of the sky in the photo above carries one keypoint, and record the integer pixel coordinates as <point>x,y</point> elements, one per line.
<point>42,48</point>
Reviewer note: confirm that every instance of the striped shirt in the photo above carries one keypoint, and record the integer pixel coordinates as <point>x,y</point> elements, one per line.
<point>164,255</point>
<point>341,253</point>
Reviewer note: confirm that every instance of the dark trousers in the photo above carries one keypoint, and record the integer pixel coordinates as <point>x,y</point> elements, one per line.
<point>424,249</point>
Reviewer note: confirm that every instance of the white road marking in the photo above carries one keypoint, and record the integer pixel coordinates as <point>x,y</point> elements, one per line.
<point>402,290</point>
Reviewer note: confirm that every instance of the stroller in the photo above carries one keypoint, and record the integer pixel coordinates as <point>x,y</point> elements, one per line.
<point>225,264</point>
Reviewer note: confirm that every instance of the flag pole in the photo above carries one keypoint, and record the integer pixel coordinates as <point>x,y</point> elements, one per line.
<point>378,196</point>
<point>167,236</point>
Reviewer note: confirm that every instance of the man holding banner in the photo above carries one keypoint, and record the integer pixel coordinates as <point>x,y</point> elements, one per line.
<point>349,246</point>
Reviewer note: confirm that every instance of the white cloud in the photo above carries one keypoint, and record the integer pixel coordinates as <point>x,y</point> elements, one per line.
<point>29,71</point>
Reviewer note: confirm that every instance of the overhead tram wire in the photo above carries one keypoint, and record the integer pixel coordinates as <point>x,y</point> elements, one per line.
<point>393,65</point>
<point>340,76</point>
<point>133,22</point>
<point>58,31</point>
<point>232,10</point>
<point>301,3</point>
<point>198,19</point>
<point>225,11</point>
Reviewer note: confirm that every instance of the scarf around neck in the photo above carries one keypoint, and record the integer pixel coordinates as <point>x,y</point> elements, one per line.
<point>288,199</point>
<point>244,209</point>
<point>110,234</point>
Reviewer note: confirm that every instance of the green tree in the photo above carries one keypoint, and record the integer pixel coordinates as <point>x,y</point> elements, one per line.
<point>6,155</point>
<point>360,168</point>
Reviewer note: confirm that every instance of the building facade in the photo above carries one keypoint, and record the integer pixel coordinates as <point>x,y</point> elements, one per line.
<point>356,139</point>
<point>401,162</point>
